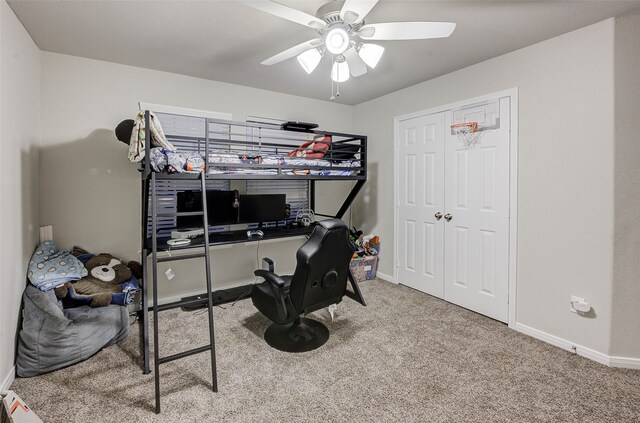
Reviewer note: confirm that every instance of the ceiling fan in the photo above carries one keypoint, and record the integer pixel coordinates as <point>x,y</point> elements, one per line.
<point>343,33</point>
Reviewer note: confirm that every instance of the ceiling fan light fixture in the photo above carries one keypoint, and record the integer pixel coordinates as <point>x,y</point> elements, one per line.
<point>371,54</point>
<point>337,41</point>
<point>340,71</point>
<point>309,60</point>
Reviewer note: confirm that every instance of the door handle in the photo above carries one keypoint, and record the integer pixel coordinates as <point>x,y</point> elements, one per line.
<point>438,216</point>
<point>448,217</point>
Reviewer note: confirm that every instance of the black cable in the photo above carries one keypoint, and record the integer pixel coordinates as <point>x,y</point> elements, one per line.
<point>248,291</point>
<point>258,255</point>
<point>241,296</point>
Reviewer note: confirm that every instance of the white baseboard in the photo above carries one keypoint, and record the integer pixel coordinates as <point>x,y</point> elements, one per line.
<point>625,362</point>
<point>591,354</point>
<point>386,277</point>
<point>6,383</point>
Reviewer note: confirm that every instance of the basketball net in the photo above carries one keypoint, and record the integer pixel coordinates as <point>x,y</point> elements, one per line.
<point>467,133</point>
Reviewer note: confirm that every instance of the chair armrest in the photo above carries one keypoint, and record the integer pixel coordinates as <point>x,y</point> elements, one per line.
<point>279,287</point>
<point>271,277</point>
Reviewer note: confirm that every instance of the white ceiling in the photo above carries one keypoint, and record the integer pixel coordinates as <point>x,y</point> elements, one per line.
<point>227,40</point>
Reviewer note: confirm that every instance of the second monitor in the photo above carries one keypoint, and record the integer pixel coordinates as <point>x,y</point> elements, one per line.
<point>259,208</point>
<point>262,208</point>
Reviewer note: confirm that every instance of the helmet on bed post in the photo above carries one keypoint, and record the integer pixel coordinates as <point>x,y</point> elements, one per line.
<point>123,130</point>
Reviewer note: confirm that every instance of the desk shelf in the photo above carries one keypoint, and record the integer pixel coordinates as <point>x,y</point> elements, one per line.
<point>231,237</point>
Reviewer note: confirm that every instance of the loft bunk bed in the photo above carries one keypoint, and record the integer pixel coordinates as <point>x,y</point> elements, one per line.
<point>232,150</point>
<point>207,152</point>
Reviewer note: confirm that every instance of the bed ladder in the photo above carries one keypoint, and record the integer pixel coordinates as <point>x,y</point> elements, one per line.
<point>163,307</point>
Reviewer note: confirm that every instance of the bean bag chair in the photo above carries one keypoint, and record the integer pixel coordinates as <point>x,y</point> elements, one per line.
<point>52,338</point>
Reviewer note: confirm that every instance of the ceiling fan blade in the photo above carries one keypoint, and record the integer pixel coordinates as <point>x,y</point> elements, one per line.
<point>406,30</point>
<point>357,67</point>
<point>293,51</point>
<point>355,10</point>
<point>286,12</point>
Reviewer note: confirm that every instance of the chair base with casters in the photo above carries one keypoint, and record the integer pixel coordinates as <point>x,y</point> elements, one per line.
<point>301,335</point>
<point>320,280</point>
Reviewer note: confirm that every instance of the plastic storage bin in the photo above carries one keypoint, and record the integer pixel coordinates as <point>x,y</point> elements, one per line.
<point>364,268</point>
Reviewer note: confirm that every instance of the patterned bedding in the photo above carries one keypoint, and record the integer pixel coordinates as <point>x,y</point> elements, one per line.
<point>306,165</point>
<point>162,160</point>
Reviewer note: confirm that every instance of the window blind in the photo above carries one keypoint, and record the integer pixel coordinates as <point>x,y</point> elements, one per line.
<point>166,199</point>
<point>186,133</point>
<point>297,192</point>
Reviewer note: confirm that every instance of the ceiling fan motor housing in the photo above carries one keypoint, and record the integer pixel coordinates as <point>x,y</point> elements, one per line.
<point>330,13</point>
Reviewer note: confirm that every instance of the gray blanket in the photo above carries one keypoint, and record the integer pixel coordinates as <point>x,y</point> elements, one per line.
<point>52,338</point>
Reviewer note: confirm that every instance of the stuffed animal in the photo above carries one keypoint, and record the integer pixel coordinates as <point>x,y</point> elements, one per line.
<point>109,281</point>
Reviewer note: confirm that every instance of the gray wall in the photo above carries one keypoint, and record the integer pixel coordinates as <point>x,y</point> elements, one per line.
<point>565,165</point>
<point>625,324</point>
<point>19,138</point>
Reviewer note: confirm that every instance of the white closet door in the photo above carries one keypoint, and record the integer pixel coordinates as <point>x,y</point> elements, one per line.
<point>421,197</point>
<point>477,200</point>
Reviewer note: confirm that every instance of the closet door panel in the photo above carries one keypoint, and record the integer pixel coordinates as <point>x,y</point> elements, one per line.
<point>476,241</point>
<point>421,196</point>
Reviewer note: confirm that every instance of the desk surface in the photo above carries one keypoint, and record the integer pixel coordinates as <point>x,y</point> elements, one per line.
<point>235,237</point>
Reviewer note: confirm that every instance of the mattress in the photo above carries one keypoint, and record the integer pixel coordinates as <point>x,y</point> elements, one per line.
<point>165,161</point>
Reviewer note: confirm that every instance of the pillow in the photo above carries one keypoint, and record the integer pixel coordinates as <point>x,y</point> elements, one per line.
<point>310,150</point>
<point>341,152</point>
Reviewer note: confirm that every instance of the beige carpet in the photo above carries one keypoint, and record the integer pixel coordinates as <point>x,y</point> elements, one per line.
<point>406,357</point>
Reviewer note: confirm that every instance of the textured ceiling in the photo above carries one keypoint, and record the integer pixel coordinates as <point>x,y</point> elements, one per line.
<point>227,40</point>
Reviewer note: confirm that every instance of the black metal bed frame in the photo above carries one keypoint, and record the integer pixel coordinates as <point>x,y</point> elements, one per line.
<point>232,141</point>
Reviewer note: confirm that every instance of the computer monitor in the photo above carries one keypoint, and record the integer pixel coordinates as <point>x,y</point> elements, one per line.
<point>220,210</point>
<point>189,201</point>
<point>262,208</point>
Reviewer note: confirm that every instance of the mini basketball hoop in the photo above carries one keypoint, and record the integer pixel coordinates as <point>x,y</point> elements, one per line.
<point>467,132</point>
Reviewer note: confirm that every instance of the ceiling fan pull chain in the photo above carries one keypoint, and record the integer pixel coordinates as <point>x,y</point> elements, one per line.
<point>333,97</point>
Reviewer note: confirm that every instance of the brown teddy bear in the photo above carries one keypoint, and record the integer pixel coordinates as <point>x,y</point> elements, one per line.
<point>109,281</point>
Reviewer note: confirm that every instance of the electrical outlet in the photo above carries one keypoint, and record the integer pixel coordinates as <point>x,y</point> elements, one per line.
<point>578,305</point>
<point>46,233</point>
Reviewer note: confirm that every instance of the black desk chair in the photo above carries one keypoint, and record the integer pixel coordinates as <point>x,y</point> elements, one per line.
<point>320,279</point>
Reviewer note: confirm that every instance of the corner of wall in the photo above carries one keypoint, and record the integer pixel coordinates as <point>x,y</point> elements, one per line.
<point>625,321</point>
<point>20,138</point>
